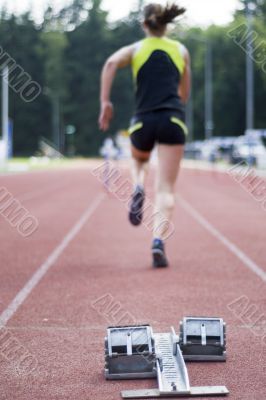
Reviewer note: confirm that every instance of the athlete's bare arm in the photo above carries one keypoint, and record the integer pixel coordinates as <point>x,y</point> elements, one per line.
<point>185,84</point>
<point>120,59</point>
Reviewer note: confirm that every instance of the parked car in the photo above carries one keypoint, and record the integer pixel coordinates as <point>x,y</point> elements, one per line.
<point>249,150</point>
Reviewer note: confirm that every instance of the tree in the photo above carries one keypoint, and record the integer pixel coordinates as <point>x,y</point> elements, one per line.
<point>54,44</point>
<point>74,14</point>
<point>84,57</point>
<point>21,40</point>
<point>257,6</point>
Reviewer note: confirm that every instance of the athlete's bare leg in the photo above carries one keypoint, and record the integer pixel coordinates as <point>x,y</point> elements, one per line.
<point>140,161</point>
<point>169,158</point>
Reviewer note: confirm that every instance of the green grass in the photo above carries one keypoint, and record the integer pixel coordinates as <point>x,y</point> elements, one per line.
<point>22,164</point>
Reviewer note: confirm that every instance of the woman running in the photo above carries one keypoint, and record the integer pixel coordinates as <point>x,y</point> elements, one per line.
<point>161,70</point>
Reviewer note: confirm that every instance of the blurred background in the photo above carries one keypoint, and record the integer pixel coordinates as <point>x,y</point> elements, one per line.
<point>60,47</point>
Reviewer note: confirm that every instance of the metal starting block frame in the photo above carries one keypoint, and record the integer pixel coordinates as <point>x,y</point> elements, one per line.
<point>135,352</point>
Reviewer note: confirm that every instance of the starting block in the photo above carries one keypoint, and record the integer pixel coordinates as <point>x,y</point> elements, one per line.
<point>135,352</point>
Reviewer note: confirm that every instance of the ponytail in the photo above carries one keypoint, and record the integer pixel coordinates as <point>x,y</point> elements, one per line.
<point>156,17</point>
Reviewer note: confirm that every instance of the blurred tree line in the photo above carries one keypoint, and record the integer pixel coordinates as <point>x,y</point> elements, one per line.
<point>65,55</point>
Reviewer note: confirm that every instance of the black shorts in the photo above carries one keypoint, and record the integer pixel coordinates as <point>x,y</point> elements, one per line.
<point>160,126</point>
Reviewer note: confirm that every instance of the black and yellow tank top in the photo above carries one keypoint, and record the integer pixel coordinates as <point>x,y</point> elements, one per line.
<point>158,65</point>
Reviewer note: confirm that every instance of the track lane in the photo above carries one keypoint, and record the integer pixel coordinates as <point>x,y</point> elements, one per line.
<point>59,325</point>
<point>229,208</point>
<point>56,212</point>
<point>27,186</point>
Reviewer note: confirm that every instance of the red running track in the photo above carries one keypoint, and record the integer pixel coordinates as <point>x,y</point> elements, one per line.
<point>51,347</point>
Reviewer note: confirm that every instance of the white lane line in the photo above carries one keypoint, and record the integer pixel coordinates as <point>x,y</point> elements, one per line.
<point>251,265</point>
<point>44,268</point>
<point>23,173</point>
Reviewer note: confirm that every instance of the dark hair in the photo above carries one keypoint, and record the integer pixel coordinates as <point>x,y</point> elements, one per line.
<point>156,17</point>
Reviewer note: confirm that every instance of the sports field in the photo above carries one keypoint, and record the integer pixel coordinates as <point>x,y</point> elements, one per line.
<point>83,267</point>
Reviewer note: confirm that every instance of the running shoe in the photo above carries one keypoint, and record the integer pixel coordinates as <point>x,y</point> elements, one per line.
<point>158,254</point>
<point>136,206</point>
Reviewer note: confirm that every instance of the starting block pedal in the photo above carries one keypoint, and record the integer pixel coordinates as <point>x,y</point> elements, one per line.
<point>203,339</point>
<point>130,353</point>
<point>133,352</point>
